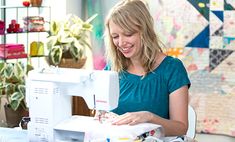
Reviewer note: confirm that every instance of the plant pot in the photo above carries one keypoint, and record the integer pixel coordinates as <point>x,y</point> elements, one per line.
<point>13,118</point>
<point>71,63</point>
<point>36,3</point>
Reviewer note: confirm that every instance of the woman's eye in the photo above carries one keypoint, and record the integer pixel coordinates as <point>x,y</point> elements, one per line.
<point>129,34</point>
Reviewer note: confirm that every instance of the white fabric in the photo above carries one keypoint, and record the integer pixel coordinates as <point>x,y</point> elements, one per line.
<point>95,130</point>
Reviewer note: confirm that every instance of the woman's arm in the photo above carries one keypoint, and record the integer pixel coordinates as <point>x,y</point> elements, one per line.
<point>177,124</point>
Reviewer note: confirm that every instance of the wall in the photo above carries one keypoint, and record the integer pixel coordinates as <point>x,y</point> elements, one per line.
<point>101,7</point>
<point>202,34</point>
<point>74,6</point>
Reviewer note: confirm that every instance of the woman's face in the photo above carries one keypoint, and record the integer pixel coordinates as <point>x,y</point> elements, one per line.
<point>129,44</point>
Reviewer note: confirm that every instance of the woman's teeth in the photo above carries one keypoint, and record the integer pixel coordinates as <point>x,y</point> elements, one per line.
<point>125,49</point>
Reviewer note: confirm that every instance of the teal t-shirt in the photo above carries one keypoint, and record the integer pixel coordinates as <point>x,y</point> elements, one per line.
<point>151,93</point>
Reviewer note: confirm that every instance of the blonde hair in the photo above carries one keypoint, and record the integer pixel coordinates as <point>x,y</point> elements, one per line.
<point>132,16</point>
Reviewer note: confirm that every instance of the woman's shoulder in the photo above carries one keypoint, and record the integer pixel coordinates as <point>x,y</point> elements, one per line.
<point>172,61</point>
<point>166,60</point>
<point>169,64</point>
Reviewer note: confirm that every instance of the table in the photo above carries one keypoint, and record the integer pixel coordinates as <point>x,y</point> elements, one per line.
<point>19,135</point>
<point>13,135</point>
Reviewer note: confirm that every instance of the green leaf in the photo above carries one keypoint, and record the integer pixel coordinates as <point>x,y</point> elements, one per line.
<point>64,39</point>
<point>29,68</point>
<point>9,88</point>
<point>8,72</point>
<point>18,70</point>
<point>1,89</point>
<point>74,51</point>
<point>2,66</point>
<point>16,99</point>
<point>85,43</point>
<point>21,89</point>
<point>87,26</point>
<point>14,79</point>
<point>14,104</point>
<point>17,96</point>
<point>55,55</point>
<point>54,27</point>
<point>50,42</point>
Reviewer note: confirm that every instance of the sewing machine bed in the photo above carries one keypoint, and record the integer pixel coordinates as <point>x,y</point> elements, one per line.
<point>90,129</point>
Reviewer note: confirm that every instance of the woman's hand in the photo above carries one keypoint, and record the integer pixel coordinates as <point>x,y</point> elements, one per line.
<point>132,118</point>
<point>105,116</point>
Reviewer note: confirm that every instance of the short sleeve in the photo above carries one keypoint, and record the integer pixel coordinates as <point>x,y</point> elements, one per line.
<point>177,75</point>
<point>107,67</point>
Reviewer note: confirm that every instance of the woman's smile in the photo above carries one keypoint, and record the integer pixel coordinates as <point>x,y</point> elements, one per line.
<point>125,50</point>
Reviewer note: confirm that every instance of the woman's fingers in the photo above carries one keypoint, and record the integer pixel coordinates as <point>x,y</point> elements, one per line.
<point>127,118</point>
<point>133,122</point>
<point>133,118</point>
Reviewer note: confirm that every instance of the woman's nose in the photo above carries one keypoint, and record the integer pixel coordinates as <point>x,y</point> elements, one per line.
<point>122,42</point>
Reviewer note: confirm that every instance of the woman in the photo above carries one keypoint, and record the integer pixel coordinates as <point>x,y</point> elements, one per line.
<point>153,86</point>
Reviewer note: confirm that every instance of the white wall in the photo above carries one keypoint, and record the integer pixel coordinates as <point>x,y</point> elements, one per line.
<point>74,6</point>
<point>59,9</point>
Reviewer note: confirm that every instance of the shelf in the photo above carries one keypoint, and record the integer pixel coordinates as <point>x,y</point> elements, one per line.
<point>37,56</point>
<point>24,32</point>
<point>26,37</point>
<point>7,7</point>
<point>23,56</point>
<point>15,57</point>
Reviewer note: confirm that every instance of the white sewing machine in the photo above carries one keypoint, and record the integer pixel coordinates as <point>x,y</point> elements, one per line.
<point>48,96</point>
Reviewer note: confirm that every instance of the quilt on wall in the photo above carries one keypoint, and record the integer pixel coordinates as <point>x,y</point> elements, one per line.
<point>202,34</point>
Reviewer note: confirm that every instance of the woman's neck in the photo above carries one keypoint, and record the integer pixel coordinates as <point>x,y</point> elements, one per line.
<point>136,67</point>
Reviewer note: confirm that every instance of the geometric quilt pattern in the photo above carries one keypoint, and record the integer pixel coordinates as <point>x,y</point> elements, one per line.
<point>204,33</point>
<point>217,56</point>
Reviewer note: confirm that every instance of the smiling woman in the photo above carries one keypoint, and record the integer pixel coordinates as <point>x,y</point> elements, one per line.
<point>153,86</point>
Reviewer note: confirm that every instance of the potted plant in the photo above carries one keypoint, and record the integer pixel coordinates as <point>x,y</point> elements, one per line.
<point>69,39</point>
<point>12,86</point>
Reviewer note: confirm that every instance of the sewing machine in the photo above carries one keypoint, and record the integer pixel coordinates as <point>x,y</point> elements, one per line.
<point>49,98</point>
